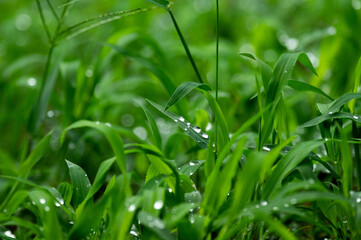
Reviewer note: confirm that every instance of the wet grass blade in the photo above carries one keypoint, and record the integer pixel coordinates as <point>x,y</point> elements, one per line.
<point>155,131</point>
<point>305,87</point>
<point>191,130</point>
<point>160,3</point>
<point>80,182</point>
<point>183,90</point>
<point>336,115</point>
<point>351,104</point>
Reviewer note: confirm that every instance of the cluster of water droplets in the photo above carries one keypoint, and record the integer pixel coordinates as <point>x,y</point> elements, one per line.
<point>190,127</point>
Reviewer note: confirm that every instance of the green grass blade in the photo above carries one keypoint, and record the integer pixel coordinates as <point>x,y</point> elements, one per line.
<point>328,116</point>
<point>80,182</point>
<point>160,3</point>
<point>66,191</point>
<point>47,214</point>
<point>265,70</point>
<point>114,139</point>
<point>191,130</point>
<point>190,168</point>
<point>155,131</point>
<point>100,177</point>
<point>156,225</point>
<point>305,87</point>
<point>351,104</point>
<point>287,164</point>
<point>183,90</point>
<point>221,121</point>
<point>39,109</point>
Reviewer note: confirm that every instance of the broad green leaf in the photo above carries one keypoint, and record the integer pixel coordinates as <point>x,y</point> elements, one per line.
<point>47,213</point>
<point>163,169</point>
<point>287,164</point>
<point>193,131</point>
<point>305,87</point>
<point>183,90</point>
<point>80,182</point>
<point>156,225</point>
<point>155,131</point>
<point>161,3</point>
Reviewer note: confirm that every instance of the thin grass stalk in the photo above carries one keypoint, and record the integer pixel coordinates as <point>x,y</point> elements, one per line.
<point>185,45</point>
<point>53,10</point>
<point>43,20</point>
<point>217,72</point>
<point>356,146</point>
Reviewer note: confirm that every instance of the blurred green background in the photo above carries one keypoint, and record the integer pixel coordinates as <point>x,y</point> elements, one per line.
<point>99,84</point>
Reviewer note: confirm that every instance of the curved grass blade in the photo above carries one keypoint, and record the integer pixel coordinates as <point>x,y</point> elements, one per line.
<point>287,164</point>
<point>100,177</point>
<point>191,130</point>
<point>183,90</point>
<point>305,87</point>
<point>327,116</point>
<point>80,182</point>
<point>160,3</point>
<point>113,17</point>
<point>155,131</point>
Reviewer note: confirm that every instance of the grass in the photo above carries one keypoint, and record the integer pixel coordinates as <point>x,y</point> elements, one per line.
<point>125,132</point>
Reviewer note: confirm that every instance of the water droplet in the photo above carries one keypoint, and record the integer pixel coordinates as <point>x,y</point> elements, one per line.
<point>89,73</point>
<point>191,163</point>
<point>185,129</point>
<point>356,117</point>
<point>170,190</point>
<point>197,129</point>
<point>23,22</point>
<point>57,204</point>
<point>275,209</point>
<point>286,205</point>
<point>293,201</point>
<point>32,82</point>
<point>326,139</point>
<point>264,203</point>
<point>175,120</point>
<point>205,135</point>
<point>285,71</point>
<point>50,114</point>
<point>358,200</point>
<point>108,124</point>
<point>47,209</point>
<point>188,124</point>
<point>257,206</point>
<point>181,119</point>
<point>266,148</point>
<point>158,204</point>
<point>89,185</point>
<point>131,208</point>
<point>97,122</point>
<point>356,4</point>
<point>71,222</point>
<point>134,233</point>
<point>42,201</point>
<point>330,113</point>
<point>209,127</point>
<point>9,234</point>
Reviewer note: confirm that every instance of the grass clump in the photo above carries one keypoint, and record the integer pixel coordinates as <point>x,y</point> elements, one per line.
<point>121,134</point>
